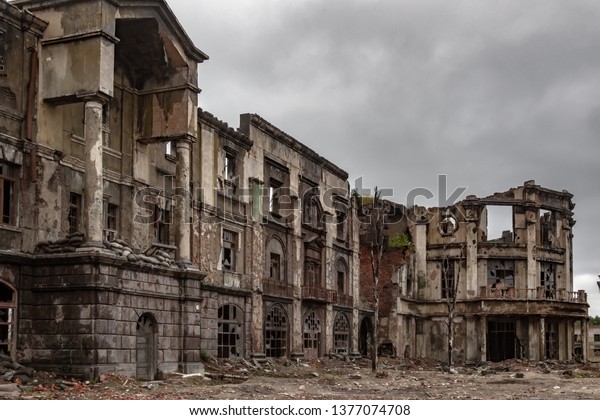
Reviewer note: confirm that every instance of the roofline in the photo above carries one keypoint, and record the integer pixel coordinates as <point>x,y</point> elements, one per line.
<point>281,136</point>
<point>16,16</point>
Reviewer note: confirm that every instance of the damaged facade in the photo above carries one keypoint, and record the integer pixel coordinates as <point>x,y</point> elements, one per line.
<point>140,234</point>
<point>514,289</point>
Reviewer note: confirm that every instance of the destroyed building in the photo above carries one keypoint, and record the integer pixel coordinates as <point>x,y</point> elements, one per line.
<point>140,234</point>
<point>514,290</point>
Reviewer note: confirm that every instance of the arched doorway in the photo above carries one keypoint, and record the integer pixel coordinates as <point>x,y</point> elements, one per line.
<point>312,335</point>
<point>365,334</point>
<point>341,334</point>
<point>146,347</point>
<point>8,315</point>
<point>276,332</point>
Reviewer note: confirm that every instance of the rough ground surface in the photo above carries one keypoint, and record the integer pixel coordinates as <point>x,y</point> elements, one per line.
<point>333,379</point>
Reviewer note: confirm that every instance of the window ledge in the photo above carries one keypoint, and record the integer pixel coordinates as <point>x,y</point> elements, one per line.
<point>11,228</point>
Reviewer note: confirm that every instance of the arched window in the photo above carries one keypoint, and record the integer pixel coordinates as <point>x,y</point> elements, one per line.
<point>230,327</point>
<point>311,212</point>
<point>276,332</point>
<point>8,315</point>
<point>341,334</point>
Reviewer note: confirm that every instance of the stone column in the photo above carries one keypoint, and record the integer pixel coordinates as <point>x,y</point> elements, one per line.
<point>542,338</point>
<point>471,253</point>
<point>483,339</point>
<point>183,203</point>
<point>421,259</point>
<point>93,191</point>
<point>532,273</point>
<point>584,339</point>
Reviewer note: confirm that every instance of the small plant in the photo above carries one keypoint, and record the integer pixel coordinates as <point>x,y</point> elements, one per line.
<point>204,356</point>
<point>400,241</point>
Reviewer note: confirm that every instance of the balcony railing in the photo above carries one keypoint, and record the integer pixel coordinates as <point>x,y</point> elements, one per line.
<point>343,300</point>
<point>318,293</point>
<point>277,288</point>
<point>538,293</point>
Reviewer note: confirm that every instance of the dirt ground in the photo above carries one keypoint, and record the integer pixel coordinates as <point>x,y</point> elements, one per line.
<point>334,379</point>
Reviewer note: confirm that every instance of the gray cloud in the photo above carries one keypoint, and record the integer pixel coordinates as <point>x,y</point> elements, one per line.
<point>490,93</point>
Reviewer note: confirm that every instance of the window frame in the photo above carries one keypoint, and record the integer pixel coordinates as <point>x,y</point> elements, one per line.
<point>8,177</point>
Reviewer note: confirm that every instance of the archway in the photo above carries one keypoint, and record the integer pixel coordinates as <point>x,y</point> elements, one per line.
<point>365,334</point>
<point>312,335</point>
<point>146,347</point>
<point>276,332</point>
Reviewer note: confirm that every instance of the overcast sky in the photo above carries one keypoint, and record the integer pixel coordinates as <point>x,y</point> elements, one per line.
<point>490,93</point>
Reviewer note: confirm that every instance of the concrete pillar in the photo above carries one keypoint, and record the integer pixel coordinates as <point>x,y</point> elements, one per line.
<point>483,339</point>
<point>569,339</point>
<point>256,331</point>
<point>297,330</point>
<point>421,259</point>
<point>354,332</point>
<point>533,340</point>
<point>542,346</point>
<point>532,272</point>
<point>93,183</point>
<point>471,255</point>
<point>183,201</point>
<point>471,342</point>
<point>584,339</point>
<point>328,329</point>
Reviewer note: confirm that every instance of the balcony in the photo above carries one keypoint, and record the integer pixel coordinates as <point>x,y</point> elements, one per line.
<point>539,293</point>
<point>318,293</point>
<point>277,288</point>
<point>343,299</point>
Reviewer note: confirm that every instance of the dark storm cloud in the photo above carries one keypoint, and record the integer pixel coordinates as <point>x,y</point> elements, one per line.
<point>490,93</point>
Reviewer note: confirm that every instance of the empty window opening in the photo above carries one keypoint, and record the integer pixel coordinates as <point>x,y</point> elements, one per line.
<point>340,225</point>
<point>341,277</point>
<point>162,224</point>
<point>8,310</point>
<point>74,217</point>
<point>501,340</point>
<point>230,240</point>
<point>341,334</point>
<point>229,170</point>
<point>111,215</point>
<point>229,338</point>
<point>548,228</point>
<point>274,196</point>
<point>276,332</point>
<point>7,194</point>
<point>499,224</point>
<point>548,279</point>
<point>448,223</point>
<point>170,149</point>
<point>448,286</point>
<point>312,336</point>
<point>596,337</point>
<point>275,267</point>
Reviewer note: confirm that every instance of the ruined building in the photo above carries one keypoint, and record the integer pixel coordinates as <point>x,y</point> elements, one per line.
<point>139,234</point>
<point>514,290</point>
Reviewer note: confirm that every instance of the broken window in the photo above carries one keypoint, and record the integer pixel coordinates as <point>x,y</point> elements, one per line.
<point>74,216</point>
<point>274,195</point>
<point>275,267</point>
<point>8,308</point>
<point>276,331</point>
<point>312,335</point>
<point>341,225</point>
<point>162,224</point>
<point>548,228</point>
<point>500,224</point>
<point>448,223</point>
<point>501,274</point>
<point>230,241</point>
<point>448,288</point>
<point>548,279</point>
<point>170,149</point>
<point>7,194</point>
<point>341,276</point>
<point>596,337</point>
<point>111,214</point>
<point>229,338</point>
<point>341,334</point>
<point>229,169</point>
